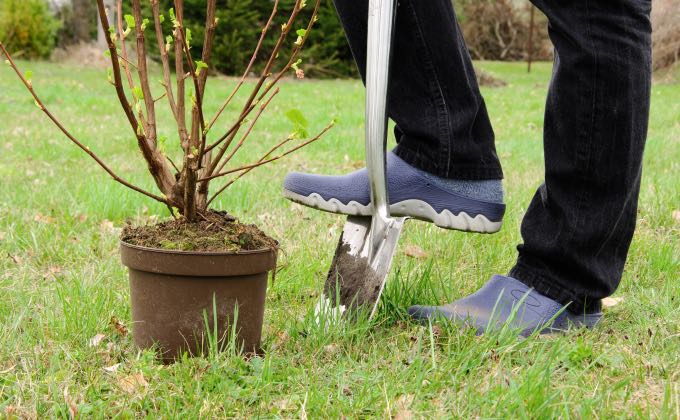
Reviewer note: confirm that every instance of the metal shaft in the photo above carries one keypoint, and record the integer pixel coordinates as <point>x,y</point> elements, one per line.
<point>380,26</point>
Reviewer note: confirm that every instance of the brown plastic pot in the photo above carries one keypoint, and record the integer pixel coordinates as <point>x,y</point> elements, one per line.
<point>172,292</point>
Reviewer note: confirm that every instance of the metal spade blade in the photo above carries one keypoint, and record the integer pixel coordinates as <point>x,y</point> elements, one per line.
<point>364,254</point>
<point>354,281</point>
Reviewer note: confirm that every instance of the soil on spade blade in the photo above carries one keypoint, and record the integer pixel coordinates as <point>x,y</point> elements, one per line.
<point>214,232</point>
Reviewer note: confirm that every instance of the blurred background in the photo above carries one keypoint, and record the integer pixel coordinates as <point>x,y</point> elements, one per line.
<point>505,30</point>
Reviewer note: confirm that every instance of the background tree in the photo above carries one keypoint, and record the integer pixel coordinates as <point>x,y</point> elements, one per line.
<point>84,20</point>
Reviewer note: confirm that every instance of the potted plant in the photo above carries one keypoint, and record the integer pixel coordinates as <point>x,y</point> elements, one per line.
<point>202,269</point>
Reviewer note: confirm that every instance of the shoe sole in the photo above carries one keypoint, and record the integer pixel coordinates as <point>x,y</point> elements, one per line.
<point>416,209</point>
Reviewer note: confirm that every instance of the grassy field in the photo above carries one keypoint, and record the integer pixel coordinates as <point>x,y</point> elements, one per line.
<point>61,281</point>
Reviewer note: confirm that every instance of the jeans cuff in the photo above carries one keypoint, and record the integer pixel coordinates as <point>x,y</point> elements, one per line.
<point>554,289</point>
<point>462,172</point>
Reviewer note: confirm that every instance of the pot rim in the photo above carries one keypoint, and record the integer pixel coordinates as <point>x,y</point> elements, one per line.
<point>179,252</point>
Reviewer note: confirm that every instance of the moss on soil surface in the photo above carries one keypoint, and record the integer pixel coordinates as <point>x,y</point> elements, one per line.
<point>216,232</point>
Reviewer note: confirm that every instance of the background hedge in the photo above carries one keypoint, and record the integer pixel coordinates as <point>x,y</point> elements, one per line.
<point>326,53</point>
<point>28,28</point>
<point>493,29</point>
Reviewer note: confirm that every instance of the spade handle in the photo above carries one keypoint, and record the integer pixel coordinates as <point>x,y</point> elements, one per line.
<point>381,15</point>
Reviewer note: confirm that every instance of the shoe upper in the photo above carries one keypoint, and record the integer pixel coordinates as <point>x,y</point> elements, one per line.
<point>403,183</point>
<point>505,300</point>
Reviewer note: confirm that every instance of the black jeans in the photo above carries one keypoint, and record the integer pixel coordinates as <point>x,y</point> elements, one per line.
<point>580,223</point>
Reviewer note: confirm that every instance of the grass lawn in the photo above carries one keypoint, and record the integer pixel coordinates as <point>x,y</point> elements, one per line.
<point>61,281</point>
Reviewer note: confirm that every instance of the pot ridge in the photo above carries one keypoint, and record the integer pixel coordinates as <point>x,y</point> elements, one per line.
<point>197,264</point>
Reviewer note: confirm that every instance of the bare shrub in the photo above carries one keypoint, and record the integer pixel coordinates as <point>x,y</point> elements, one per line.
<point>206,148</point>
<point>666,33</point>
<point>499,30</point>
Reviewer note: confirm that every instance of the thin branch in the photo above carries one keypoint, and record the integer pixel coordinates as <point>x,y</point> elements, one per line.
<point>192,70</point>
<point>210,24</point>
<point>115,64</point>
<point>123,50</point>
<point>143,73</point>
<point>163,95</point>
<point>173,164</point>
<point>164,56</point>
<point>157,164</point>
<point>294,54</point>
<point>229,136</point>
<point>128,63</point>
<point>248,130</point>
<point>265,156</point>
<point>181,77</point>
<point>248,107</point>
<point>264,162</point>
<point>231,130</point>
<point>265,29</point>
<point>84,148</point>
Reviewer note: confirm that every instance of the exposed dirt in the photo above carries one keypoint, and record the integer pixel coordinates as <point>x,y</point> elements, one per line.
<point>358,282</point>
<point>216,232</point>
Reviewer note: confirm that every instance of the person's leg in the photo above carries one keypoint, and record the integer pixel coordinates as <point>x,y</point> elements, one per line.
<point>579,225</point>
<point>444,168</point>
<point>443,125</point>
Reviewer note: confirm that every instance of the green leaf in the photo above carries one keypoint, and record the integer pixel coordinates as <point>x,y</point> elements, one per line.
<point>28,75</point>
<point>162,140</point>
<point>138,93</point>
<point>296,117</point>
<point>300,123</point>
<point>173,19</point>
<point>145,22</point>
<point>109,74</point>
<point>113,34</point>
<point>161,18</point>
<point>168,43</point>
<point>301,36</point>
<point>295,65</point>
<point>188,37</point>
<point>130,20</point>
<point>200,65</point>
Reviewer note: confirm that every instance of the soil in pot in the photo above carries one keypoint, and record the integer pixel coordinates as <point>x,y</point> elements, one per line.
<point>180,271</point>
<point>214,232</point>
